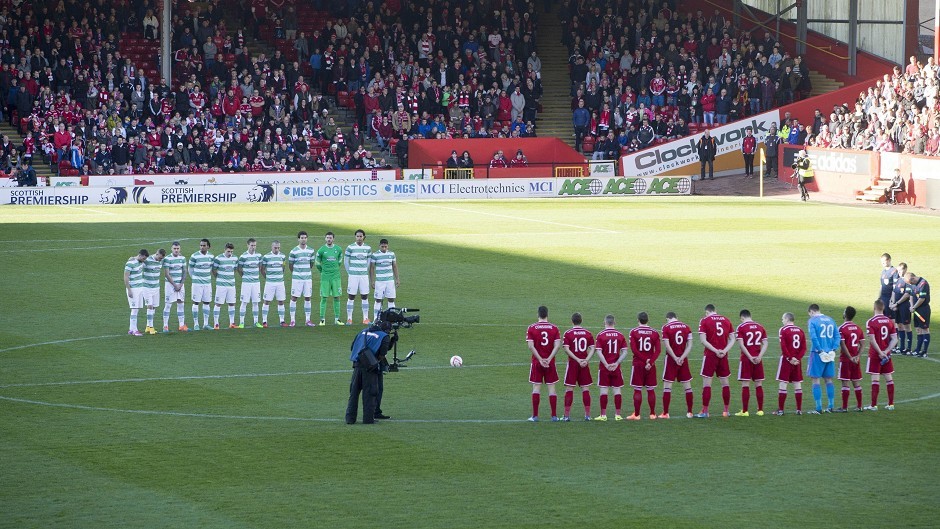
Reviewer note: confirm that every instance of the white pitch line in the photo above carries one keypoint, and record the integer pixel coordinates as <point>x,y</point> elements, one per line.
<point>513,217</point>
<point>100,212</point>
<point>67,249</point>
<point>235,375</point>
<point>54,342</point>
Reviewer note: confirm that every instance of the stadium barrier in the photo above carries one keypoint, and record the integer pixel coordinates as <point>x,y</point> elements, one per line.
<point>343,191</point>
<point>195,179</point>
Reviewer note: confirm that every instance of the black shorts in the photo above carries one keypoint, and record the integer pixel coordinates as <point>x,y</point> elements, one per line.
<point>901,315</point>
<point>924,313</point>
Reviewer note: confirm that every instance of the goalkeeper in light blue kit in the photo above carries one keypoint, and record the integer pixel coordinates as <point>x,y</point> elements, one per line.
<point>824,334</point>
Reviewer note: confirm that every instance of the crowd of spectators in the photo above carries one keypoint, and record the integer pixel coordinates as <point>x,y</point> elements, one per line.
<point>411,69</point>
<point>644,73</point>
<point>897,114</point>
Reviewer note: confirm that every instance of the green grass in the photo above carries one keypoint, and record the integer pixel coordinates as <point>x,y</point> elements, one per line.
<point>200,439</point>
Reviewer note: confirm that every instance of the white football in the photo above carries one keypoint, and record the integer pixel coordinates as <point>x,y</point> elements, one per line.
<point>456,361</point>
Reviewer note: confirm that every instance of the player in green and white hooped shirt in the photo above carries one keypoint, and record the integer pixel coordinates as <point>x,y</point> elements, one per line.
<point>200,270</point>
<point>223,269</point>
<point>272,270</point>
<point>328,259</point>
<point>383,275</point>
<point>152,268</point>
<point>356,261</point>
<point>301,280</point>
<point>174,289</point>
<point>134,284</point>
<point>249,264</point>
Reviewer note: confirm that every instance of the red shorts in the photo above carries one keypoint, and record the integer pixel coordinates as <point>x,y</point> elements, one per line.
<point>714,366</point>
<point>788,372</point>
<point>750,371</point>
<point>875,367</point>
<point>540,375</point>
<point>639,377</point>
<point>609,379</point>
<point>677,373</point>
<point>575,375</point>
<point>849,370</point>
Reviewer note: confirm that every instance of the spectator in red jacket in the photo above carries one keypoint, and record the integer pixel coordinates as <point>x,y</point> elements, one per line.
<point>708,107</point>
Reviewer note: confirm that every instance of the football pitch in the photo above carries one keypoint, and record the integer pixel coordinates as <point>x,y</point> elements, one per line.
<point>244,428</point>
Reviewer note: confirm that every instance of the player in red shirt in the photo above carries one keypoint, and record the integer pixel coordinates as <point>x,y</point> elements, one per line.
<point>544,341</point>
<point>882,337</point>
<point>752,340</point>
<point>790,370</point>
<point>850,368</point>
<point>717,335</point>
<point>613,350</point>
<point>645,345</point>
<point>677,343</point>
<point>579,346</point>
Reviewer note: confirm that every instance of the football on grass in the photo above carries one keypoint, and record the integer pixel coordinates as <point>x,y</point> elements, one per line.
<point>456,361</point>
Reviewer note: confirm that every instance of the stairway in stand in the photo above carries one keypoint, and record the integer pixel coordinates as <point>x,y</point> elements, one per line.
<point>43,169</point>
<point>555,118</point>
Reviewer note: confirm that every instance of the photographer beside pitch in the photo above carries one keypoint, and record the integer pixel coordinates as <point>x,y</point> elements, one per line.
<point>803,172</point>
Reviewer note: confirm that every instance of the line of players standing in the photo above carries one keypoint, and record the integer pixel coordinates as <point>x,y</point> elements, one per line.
<point>718,338</point>
<point>143,272</point>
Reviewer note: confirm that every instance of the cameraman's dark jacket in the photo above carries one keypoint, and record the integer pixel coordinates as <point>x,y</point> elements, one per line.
<point>370,347</point>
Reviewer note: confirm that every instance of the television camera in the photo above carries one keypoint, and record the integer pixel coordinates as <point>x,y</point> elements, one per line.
<point>390,320</point>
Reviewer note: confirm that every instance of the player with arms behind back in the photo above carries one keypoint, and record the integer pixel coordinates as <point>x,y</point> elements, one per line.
<point>645,345</point>
<point>272,270</point>
<point>717,336</point>
<point>882,337</point>
<point>134,285</point>
<point>579,346</point>
<point>356,260</point>
<point>153,267</point>
<point>612,345</point>
<point>301,281</point>
<point>899,309</point>
<point>850,369</point>
<point>790,370</point>
<point>543,340</point>
<point>200,271</point>
<point>920,308</point>
<point>327,261</point>
<point>752,340</point>
<point>249,268</point>
<point>383,275</point>
<point>223,269</point>
<point>677,343</point>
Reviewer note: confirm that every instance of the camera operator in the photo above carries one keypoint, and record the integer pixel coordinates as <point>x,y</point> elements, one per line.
<point>803,172</point>
<point>369,349</point>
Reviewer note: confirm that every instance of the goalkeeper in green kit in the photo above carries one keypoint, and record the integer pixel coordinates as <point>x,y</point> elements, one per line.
<point>328,260</point>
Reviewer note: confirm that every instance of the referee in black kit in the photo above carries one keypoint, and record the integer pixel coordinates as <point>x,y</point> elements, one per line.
<point>368,352</point>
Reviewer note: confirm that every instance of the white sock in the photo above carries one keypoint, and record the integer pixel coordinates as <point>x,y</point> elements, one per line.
<point>307,309</point>
<point>205,314</point>
<point>216,314</point>
<point>166,315</point>
<point>179,315</point>
<point>293,310</point>
<point>195,315</point>
<point>349,308</point>
<point>241,312</point>
<point>365,309</point>
<point>254,313</point>
<point>133,325</point>
<point>280,313</point>
<point>150,313</point>
<point>377,309</point>
<point>391,304</point>
<point>264,313</point>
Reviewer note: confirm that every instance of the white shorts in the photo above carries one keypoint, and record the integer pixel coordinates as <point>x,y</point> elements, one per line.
<point>151,296</point>
<point>136,299</point>
<point>202,293</point>
<point>301,288</point>
<point>274,291</point>
<point>173,296</point>
<point>224,295</point>
<point>358,285</point>
<point>251,292</point>
<point>384,289</point>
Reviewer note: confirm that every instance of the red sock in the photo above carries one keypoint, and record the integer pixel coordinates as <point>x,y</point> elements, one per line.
<point>745,397</point>
<point>637,401</point>
<point>890,393</point>
<point>845,397</point>
<point>689,397</point>
<point>875,388</point>
<point>858,396</point>
<point>604,404</point>
<point>760,398</point>
<point>553,403</point>
<point>667,397</point>
<point>569,398</point>
<point>618,403</point>
<point>651,400</point>
<point>706,397</point>
<point>586,399</point>
<point>726,396</point>
<point>535,404</point>
<point>799,399</point>
<point>781,399</point>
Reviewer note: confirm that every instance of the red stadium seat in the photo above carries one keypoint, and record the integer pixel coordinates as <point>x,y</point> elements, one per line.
<point>587,145</point>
